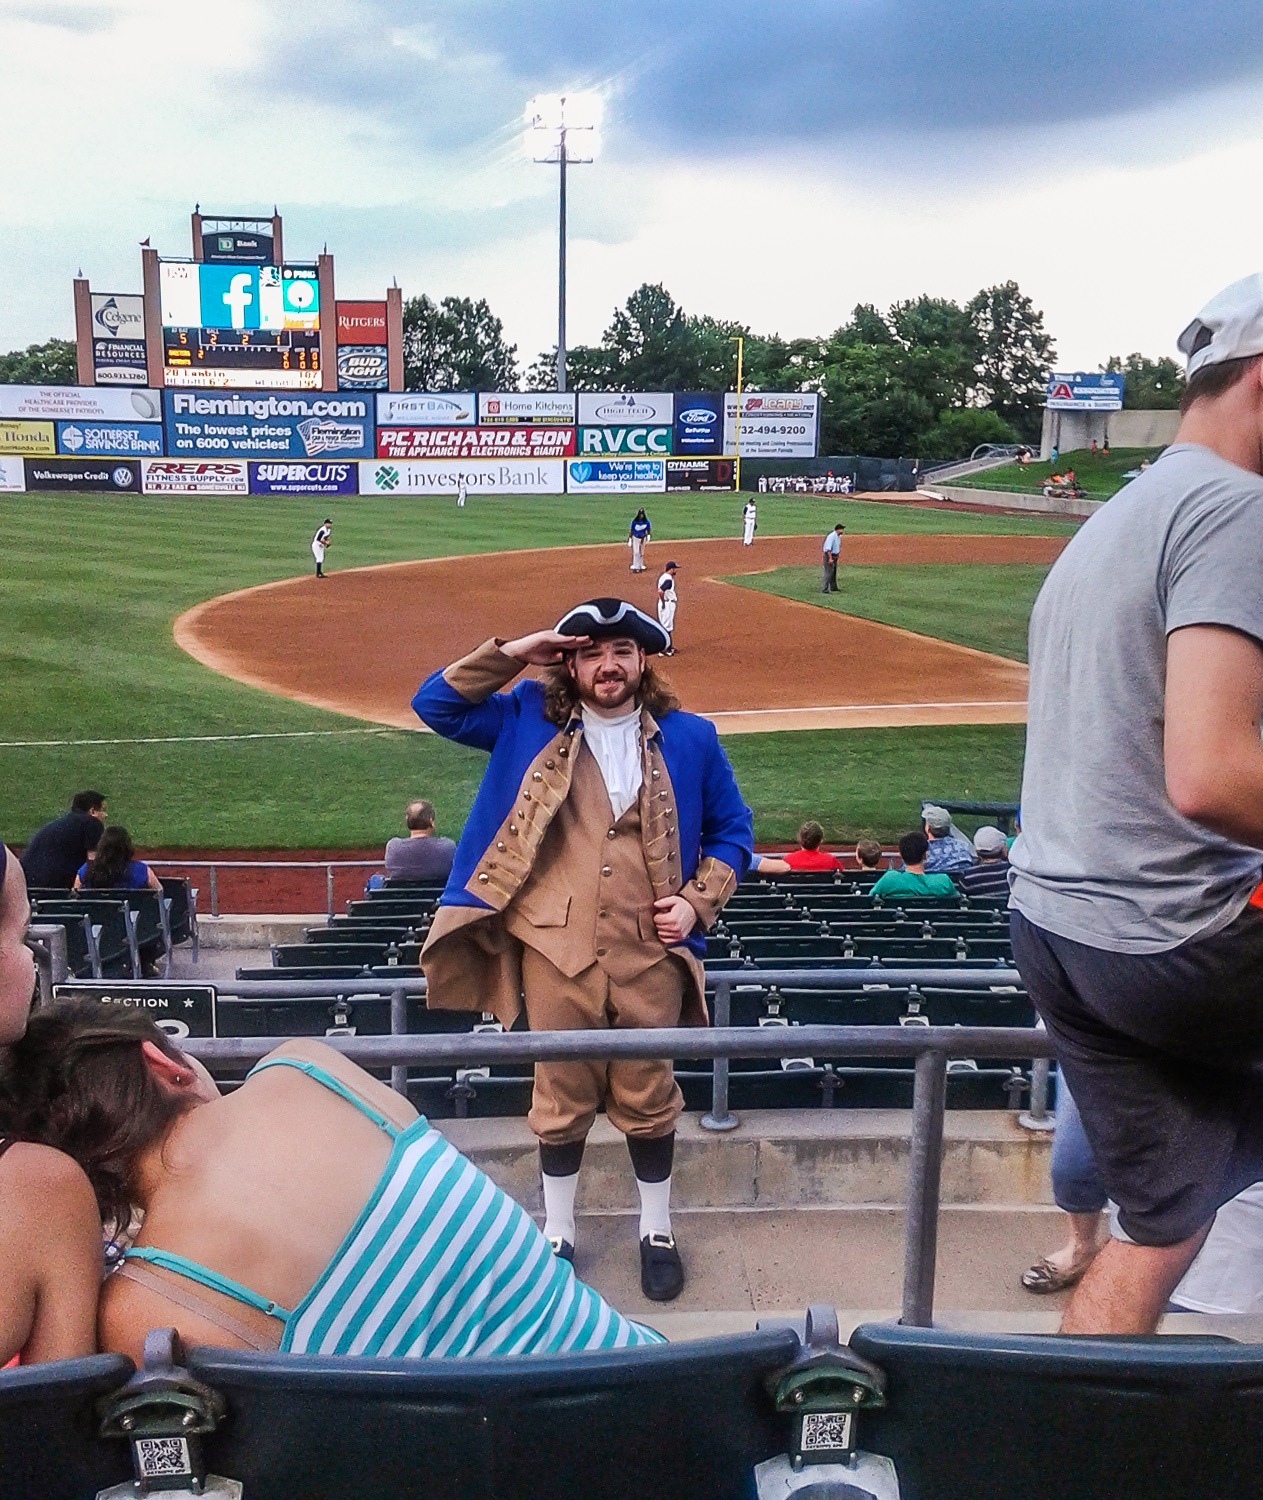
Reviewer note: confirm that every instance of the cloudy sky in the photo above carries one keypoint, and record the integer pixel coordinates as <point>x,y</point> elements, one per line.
<point>770,162</point>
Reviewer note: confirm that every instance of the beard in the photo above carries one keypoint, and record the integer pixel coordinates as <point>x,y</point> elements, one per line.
<point>609,690</point>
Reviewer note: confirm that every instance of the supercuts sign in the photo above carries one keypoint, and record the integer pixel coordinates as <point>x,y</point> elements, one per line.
<point>475,442</point>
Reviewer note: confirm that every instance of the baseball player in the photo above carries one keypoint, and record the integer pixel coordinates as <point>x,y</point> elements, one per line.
<point>321,540</point>
<point>461,492</point>
<point>749,523</point>
<point>637,536</point>
<point>666,604</point>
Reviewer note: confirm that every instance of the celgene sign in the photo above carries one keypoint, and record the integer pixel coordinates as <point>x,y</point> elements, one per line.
<point>260,424</point>
<point>625,440</point>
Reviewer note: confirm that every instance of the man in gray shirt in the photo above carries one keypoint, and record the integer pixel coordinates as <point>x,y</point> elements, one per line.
<point>1142,822</point>
<point>422,855</point>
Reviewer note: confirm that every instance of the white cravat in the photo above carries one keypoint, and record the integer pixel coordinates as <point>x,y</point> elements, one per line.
<point>615,744</point>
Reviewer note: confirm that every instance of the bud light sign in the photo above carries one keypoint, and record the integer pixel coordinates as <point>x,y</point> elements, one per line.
<point>362,367</point>
<point>699,424</point>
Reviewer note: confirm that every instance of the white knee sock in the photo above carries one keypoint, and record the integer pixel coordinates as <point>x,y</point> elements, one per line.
<point>559,1206</point>
<point>655,1207</point>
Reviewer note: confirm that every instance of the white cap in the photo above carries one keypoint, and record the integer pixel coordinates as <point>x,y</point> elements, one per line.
<point>989,840</point>
<point>1230,326</point>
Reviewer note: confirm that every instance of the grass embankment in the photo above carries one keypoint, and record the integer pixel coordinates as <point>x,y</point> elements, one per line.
<point>1100,476</point>
<point>90,585</point>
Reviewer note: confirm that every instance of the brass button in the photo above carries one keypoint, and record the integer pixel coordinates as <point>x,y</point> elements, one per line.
<point>612,834</point>
<point>484,878</point>
<point>501,846</point>
<point>655,774</point>
<point>662,797</point>
<point>700,884</point>
<point>513,826</point>
<point>563,752</point>
<point>551,764</point>
<point>600,952</point>
<point>526,797</point>
<point>537,776</point>
<point>602,914</point>
<point>605,870</point>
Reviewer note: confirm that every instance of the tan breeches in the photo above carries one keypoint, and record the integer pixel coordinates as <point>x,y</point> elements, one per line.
<point>641,1097</point>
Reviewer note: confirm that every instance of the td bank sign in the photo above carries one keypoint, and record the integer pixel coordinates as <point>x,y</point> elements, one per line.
<point>639,440</point>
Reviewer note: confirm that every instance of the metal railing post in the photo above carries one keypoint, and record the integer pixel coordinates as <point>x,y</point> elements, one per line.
<point>329,889</point>
<point>925,1171</point>
<point>214,892</point>
<point>720,1116</point>
<point>399,1027</point>
<point>48,943</point>
<point>1037,1117</point>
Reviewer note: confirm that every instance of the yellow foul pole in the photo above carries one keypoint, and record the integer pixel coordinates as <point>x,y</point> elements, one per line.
<point>737,431</point>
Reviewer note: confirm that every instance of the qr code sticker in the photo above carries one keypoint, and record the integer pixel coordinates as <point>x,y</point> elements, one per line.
<point>826,1431</point>
<point>160,1458</point>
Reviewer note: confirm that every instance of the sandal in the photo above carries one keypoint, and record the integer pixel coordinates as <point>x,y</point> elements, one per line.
<point>1045,1277</point>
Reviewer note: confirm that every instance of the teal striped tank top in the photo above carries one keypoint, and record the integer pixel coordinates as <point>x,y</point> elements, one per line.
<point>440,1263</point>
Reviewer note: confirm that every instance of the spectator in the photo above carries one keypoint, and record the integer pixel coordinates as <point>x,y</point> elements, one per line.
<point>949,848</point>
<point>868,854</point>
<point>57,849</point>
<point>809,855</point>
<point>990,876</point>
<point>116,866</point>
<point>912,881</point>
<point>423,855</point>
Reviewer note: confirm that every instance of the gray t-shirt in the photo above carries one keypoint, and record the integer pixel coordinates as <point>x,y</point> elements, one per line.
<point>420,859</point>
<point>1104,858</point>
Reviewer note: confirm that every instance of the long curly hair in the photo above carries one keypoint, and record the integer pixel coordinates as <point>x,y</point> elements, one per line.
<point>78,1081</point>
<point>561,694</point>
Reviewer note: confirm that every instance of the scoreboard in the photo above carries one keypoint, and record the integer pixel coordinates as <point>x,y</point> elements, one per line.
<point>229,325</point>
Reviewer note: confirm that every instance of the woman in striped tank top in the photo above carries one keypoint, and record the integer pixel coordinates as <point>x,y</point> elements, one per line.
<point>311,1210</point>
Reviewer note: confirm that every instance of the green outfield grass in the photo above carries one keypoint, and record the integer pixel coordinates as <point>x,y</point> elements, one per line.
<point>90,585</point>
<point>984,605</point>
<point>1101,477</point>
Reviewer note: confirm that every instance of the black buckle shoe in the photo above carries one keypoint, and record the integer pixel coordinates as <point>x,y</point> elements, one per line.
<point>661,1270</point>
<point>562,1249</point>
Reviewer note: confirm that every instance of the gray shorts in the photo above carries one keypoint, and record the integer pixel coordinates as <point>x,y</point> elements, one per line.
<point>1163,1053</point>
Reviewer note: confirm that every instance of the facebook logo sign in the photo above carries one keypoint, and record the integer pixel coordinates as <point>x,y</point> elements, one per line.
<point>229,296</point>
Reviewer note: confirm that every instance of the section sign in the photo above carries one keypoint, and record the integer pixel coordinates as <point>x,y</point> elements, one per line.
<point>699,423</point>
<point>260,424</point>
<point>34,439</point>
<point>616,476</point>
<point>174,476</point>
<point>626,408</point>
<point>700,474</point>
<point>427,409</point>
<point>545,476</point>
<point>118,340</point>
<point>774,424</point>
<point>81,474</point>
<point>112,439</point>
<point>304,478</point>
<point>552,407</point>
<point>51,403</point>
<point>475,442</point>
<point>625,440</point>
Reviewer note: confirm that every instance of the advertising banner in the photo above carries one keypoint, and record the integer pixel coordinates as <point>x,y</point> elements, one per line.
<point>233,246</point>
<point>34,439</point>
<point>240,325</point>
<point>174,476</point>
<point>475,442</point>
<point>50,403</point>
<point>625,440</point>
<point>259,424</point>
<point>616,476</point>
<point>12,476</point>
<point>1080,392</point>
<point>699,423</point>
<point>700,474</point>
<point>545,476</point>
<point>363,367</point>
<point>110,439</point>
<point>774,424</point>
<point>304,479</point>
<point>81,474</point>
<point>626,408</point>
<point>550,407</point>
<point>361,322</point>
<point>118,340</point>
<point>426,409</point>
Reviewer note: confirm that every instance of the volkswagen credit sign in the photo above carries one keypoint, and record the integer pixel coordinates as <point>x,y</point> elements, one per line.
<point>626,409</point>
<point>426,409</point>
<point>77,475</point>
<point>304,479</point>
<point>262,424</point>
<point>699,424</point>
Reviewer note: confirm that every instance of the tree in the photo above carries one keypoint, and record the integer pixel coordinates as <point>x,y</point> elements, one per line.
<point>1014,355</point>
<point>869,405</point>
<point>456,345</point>
<point>51,363</point>
<point>1148,384</point>
<point>959,430</point>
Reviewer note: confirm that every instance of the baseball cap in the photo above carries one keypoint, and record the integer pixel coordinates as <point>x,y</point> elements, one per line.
<point>1230,326</point>
<point>936,818</point>
<point>989,840</point>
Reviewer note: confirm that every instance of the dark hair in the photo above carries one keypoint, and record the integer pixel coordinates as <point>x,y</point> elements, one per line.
<point>913,847</point>
<point>868,852</point>
<point>79,1082</point>
<point>809,835</point>
<point>419,814</point>
<point>86,802</point>
<point>561,695</point>
<point>1214,380</point>
<point>113,855</point>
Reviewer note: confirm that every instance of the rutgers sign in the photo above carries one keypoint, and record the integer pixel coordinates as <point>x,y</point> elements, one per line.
<point>361,322</point>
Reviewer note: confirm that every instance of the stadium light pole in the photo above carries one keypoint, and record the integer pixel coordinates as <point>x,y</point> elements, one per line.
<point>554,116</point>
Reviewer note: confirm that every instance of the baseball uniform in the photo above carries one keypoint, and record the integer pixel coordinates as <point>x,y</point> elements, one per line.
<point>318,544</point>
<point>749,523</point>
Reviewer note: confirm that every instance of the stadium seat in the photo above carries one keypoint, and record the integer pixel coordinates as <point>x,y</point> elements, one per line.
<point>48,1444</point>
<point>82,955</point>
<point>114,929</point>
<point>990,1417</point>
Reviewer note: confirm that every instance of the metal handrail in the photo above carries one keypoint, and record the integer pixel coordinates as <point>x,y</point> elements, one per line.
<point>215,865</point>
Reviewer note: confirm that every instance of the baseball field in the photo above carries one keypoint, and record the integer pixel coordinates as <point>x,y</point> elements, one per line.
<point>279,718</point>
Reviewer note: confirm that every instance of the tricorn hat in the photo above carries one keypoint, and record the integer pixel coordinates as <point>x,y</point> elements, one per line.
<point>603,618</point>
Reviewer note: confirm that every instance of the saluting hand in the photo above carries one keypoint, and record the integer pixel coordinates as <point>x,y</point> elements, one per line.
<point>543,648</point>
